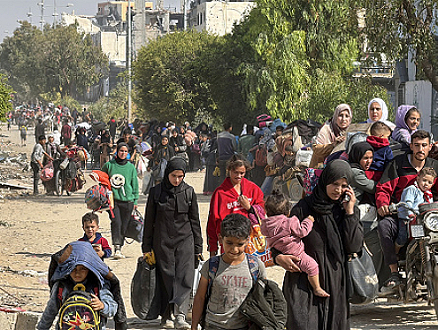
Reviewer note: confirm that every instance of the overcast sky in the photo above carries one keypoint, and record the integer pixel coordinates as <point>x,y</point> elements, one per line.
<point>18,10</point>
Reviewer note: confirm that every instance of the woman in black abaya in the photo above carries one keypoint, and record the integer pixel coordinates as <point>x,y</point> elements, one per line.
<point>336,233</point>
<point>173,231</point>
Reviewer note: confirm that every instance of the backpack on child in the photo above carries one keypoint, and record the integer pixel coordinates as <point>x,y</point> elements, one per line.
<point>264,307</point>
<point>76,311</point>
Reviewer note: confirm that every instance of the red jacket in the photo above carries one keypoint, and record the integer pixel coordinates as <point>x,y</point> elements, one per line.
<point>397,176</point>
<point>224,202</point>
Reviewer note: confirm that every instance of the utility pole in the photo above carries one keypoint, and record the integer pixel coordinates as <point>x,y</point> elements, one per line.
<point>185,14</point>
<point>129,36</point>
<point>41,4</point>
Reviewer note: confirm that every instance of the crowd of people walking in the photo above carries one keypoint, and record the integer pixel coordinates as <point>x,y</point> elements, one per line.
<point>374,164</point>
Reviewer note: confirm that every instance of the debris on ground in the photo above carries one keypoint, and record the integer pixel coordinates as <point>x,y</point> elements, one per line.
<point>15,174</point>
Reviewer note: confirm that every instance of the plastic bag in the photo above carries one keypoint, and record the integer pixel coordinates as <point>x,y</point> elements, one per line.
<point>146,180</point>
<point>364,284</point>
<point>257,245</point>
<point>141,166</point>
<point>47,172</point>
<point>143,288</point>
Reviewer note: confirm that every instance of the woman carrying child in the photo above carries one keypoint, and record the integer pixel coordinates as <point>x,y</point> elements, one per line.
<point>336,233</point>
<point>173,232</point>
<point>407,120</point>
<point>285,234</point>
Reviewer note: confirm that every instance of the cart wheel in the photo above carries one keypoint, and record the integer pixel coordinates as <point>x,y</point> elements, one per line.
<point>58,183</point>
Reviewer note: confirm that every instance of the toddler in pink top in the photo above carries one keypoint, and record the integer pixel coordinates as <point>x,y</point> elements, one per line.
<point>285,234</point>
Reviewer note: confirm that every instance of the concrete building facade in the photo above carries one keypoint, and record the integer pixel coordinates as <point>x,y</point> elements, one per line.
<point>218,17</point>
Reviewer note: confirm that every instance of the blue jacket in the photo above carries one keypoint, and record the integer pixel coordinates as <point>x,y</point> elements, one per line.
<point>82,253</point>
<point>413,197</point>
<point>382,153</point>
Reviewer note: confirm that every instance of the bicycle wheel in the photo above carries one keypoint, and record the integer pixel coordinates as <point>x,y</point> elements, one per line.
<point>58,183</point>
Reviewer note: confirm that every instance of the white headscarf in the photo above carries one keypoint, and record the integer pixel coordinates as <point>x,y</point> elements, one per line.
<point>384,117</point>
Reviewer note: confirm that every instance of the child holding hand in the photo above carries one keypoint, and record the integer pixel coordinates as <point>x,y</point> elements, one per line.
<point>284,234</point>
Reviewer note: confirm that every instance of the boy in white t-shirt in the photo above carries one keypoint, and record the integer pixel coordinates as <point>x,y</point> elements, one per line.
<point>232,282</point>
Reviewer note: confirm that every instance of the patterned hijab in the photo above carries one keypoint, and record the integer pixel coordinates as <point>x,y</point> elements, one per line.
<point>333,122</point>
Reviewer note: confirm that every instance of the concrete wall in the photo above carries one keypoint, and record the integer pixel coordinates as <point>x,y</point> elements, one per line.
<point>218,17</point>
<point>19,321</point>
<point>419,93</point>
<point>113,45</point>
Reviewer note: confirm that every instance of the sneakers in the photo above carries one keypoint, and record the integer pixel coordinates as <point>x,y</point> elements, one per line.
<point>167,324</point>
<point>180,322</point>
<point>118,255</point>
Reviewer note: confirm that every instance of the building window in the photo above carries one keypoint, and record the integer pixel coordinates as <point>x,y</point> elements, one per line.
<point>401,94</point>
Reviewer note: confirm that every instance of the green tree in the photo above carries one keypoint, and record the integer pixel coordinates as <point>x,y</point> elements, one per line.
<point>5,97</point>
<point>115,105</point>
<point>395,27</point>
<point>59,61</point>
<point>70,61</point>
<point>292,42</point>
<point>19,60</point>
<point>164,79</point>
<point>331,89</point>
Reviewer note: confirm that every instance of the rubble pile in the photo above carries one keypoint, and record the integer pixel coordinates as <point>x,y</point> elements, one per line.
<point>15,172</point>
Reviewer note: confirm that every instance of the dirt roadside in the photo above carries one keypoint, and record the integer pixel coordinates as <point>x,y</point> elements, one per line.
<point>34,227</point>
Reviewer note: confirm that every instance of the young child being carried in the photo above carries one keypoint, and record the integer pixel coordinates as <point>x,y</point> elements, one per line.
<point>90,225</point>
<point>379,140</point>
<point>285,234</point>
<point>414,195</point>
<point>233,278</point>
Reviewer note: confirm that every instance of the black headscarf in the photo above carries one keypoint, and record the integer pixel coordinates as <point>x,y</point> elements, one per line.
<point>321,203</point>
<point>118,160</point>
<point>357,151</point>
<point>174,164</point>
<point>169,190</point>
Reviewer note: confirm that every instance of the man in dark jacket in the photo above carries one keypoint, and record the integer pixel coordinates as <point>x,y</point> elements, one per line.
<point>112,124</point>
<point>39,130</point>
<point>226,147</point>
<point>398,175</point>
